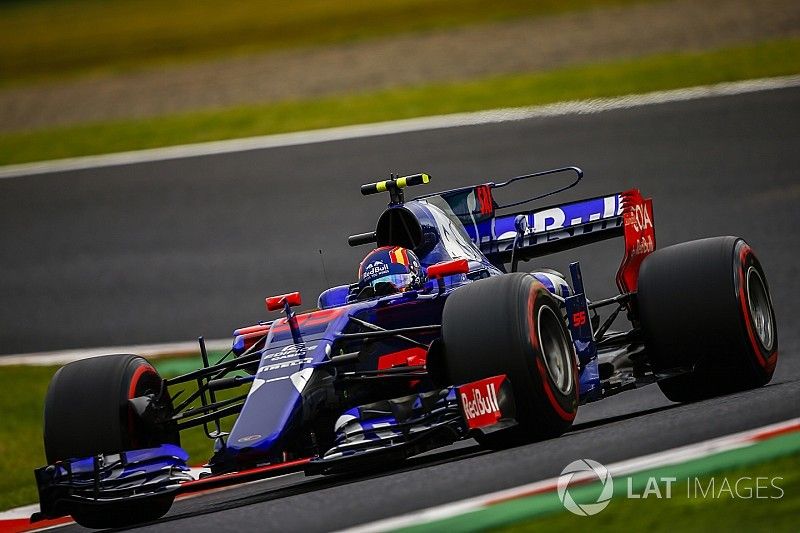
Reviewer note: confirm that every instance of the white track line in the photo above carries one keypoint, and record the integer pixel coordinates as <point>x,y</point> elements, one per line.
<point>668,457</point>
<point>19,512</point>
<point>400,126</point>
<point>62,357</point>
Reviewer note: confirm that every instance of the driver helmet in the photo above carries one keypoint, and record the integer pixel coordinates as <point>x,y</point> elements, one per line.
<point>390,269</point>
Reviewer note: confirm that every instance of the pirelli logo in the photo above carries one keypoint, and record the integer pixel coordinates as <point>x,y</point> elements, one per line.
<point>284,364</point>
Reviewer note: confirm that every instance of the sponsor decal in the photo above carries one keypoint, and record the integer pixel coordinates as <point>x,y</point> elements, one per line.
<point>284,364</point>
<point>249,438</point>
<point>479,402</point>
<point>574,214</point>
<point>374,270</point>
<point>640,217</point>
<point>572,219</point>
<point>640,220</point>
<point>640,238</point>
<point>290,351</point>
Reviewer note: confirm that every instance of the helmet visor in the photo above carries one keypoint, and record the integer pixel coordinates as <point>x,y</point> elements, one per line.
<point>398,281</point>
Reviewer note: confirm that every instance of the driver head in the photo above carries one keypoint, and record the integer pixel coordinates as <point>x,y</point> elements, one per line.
<point>390,269</point>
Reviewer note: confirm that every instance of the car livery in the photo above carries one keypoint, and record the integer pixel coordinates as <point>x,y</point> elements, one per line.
<point>481,348</point>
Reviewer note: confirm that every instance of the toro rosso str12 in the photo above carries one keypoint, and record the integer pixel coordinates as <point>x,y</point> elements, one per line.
<point>443,337</point>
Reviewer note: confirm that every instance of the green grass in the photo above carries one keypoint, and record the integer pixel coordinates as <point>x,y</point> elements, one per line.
<point>54,38</point>
<point>22,392</point>
<point>666,71</point>
<point>680,513</point>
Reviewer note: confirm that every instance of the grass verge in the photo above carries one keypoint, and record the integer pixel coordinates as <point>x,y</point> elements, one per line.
<point>22,392</point>
<point>57,38</point>
<point>651,73</point>
<point>725,512</point>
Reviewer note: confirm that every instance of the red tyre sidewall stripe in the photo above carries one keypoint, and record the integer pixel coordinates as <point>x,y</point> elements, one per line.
<point>137,375</point>
<point>569,417</point>
<point>743,253</point>
<point>543,374</point>
<point>577,377</point>
<point>531,314</point>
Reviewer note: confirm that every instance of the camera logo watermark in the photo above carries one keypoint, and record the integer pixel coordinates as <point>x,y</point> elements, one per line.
<point>581,494</point>
<point>582,466</point>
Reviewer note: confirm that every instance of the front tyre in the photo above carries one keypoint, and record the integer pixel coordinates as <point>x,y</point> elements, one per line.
<point>707,318</point>
<point>87,413</point>
<point>512,325</point>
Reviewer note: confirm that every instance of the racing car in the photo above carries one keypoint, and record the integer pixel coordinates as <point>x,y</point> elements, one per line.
<point>442,337</point>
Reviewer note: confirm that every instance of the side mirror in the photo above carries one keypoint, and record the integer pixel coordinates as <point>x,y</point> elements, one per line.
<point>448,268</point>
<point>275,303</point>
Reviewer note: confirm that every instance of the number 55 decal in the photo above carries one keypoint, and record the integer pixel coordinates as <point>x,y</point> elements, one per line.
<point>579,318</point>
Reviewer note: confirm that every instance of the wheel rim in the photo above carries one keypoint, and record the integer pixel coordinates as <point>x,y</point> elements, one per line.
<point>556,351</point>
<point>760,308</point>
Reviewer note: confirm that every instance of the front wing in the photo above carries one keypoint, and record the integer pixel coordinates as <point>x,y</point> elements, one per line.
<point>366,436</point>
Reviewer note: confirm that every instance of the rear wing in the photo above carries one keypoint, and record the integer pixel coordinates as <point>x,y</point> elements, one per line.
<point>524,235</point>
<point>548,230</point>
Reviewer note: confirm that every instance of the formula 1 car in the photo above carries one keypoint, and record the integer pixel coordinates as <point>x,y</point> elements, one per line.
<point>477,349</point>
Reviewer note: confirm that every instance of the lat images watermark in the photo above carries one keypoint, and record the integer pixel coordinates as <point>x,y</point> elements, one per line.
<point>581,494</point>
<point>585,466</point>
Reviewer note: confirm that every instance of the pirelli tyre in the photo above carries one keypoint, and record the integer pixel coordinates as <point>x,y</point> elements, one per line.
<point>87,412</point>
<point>512,325</point>
<point>707,318</point>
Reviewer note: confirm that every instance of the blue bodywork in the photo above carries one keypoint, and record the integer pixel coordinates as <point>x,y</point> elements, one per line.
<point>282,392</point>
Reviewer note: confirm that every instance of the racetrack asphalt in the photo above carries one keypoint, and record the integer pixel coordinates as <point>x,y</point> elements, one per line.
<point>169,250</point>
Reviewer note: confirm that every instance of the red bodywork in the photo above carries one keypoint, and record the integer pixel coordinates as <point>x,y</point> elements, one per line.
<point>640,238</point>
<point>274,303</point>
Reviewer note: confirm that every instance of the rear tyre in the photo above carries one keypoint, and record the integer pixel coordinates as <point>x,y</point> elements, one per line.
<point>512,325</point>
<point>707,317</point>
<point>87,412</point>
